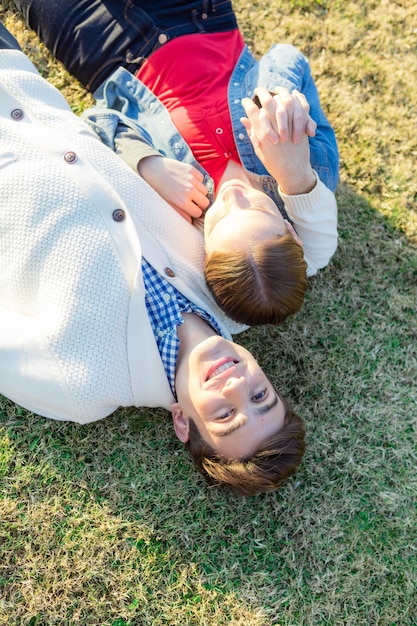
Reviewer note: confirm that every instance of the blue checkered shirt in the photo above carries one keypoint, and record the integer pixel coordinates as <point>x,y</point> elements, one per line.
<point>165,304</point>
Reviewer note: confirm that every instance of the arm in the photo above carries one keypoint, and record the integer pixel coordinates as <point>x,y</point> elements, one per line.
<point>180,184</point>
<point>285,66</point>
<point>279,133</point>
<point>314,215</point>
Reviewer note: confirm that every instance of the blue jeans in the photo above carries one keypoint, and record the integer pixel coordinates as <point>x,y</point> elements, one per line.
<point>92,38</point>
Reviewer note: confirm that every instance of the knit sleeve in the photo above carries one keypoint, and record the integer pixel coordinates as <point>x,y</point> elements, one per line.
<point>315,219</point>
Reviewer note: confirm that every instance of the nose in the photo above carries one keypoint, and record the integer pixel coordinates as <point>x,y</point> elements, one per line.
<point>233,384</point>
<point>236,198</point>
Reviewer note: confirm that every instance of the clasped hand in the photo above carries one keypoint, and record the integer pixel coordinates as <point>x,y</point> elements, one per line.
<point>279,127</point>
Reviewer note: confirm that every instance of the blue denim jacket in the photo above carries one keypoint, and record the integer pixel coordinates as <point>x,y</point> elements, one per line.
<point>123,98</point>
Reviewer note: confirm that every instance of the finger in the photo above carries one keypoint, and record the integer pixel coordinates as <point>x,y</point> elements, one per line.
<point>199,195</point>
<point>246,123</point>
<point>195,201</point>
<point>305,124</point>
<point>260,126</point>
<point>265,99</point>
<point>200,201</point>
<point>284,112</point>
<point>200,187</point>
<point>250,131</point>
<point>266,126</point>
<point>311,127</point>
<point>183,213</point>
<point>299,123</point>
<point>197,174</point>
<point>192,208</point>
<point>250,107</point>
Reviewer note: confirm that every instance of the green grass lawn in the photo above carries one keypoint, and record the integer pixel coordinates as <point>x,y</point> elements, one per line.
<point>109,524</point>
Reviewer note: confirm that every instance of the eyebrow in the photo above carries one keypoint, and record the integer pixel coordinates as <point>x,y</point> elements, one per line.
<point>217,218</point>
<point>242,421</point>
<point>262,410</point>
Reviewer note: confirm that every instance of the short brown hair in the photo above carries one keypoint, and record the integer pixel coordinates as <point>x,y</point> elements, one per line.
<point>263,284</point>
<point>273,463</point>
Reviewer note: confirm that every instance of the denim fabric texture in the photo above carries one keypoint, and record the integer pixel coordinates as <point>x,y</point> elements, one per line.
<point>124,97</point>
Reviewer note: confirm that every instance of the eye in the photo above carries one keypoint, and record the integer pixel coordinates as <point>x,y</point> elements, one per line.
<point>260,396</point>
<point>225,415</point>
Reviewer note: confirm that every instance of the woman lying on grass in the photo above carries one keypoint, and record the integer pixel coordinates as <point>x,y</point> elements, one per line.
<point>174,87</point>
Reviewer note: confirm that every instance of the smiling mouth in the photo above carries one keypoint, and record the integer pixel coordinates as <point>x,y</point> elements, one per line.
<point>220,367</point>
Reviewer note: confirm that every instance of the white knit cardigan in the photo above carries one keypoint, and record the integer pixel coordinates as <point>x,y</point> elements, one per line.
<point>75,340</point>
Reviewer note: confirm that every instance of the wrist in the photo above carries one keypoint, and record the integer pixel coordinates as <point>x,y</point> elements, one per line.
<point>299,185</point>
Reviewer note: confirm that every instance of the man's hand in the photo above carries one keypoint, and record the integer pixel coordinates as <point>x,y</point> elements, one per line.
<point>180,184</point>
<point>279,127</point>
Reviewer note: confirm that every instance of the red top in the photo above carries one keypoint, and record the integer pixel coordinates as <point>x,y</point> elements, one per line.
<point>190,76</point>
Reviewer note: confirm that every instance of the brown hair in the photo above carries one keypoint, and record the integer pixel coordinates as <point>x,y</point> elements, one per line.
<point>275,461</point>
<point>262,284</point>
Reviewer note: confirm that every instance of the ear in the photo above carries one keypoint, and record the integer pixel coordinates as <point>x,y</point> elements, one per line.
<point>181,423</point>
<point>291,230</point>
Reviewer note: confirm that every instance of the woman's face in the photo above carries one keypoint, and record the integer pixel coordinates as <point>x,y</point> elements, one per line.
<point>240,213</point>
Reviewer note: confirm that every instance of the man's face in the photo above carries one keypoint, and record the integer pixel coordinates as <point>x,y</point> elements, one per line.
<point>233,404</point>
<point>240,213</point>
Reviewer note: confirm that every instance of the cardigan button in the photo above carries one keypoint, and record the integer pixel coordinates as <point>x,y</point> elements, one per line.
<point>119,215</point>
<point>162,38</point>
<point>17,114</point>
<point>70,157</point>
<point>169,272</point>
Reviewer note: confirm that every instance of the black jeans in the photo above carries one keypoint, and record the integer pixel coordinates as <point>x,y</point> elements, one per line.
<point>7,40</point>
<point>94,37</point>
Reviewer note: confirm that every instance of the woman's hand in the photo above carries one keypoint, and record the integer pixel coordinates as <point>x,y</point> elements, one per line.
<point>283,116</point>
<point>279,127</point>
<point>180,184</point>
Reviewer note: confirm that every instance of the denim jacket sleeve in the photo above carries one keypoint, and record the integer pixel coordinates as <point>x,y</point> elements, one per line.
<point>115,131</point>
<point>132,148</point>
<point>124,101</point>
